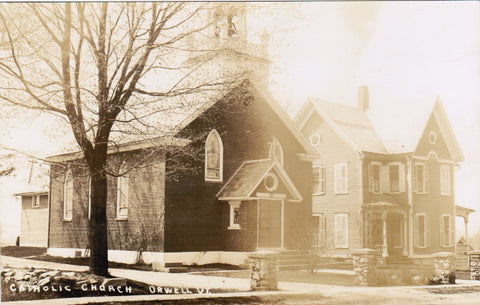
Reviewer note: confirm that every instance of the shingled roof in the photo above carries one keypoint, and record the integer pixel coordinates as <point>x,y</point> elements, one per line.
<point>398,131</point>
<point>354,123</point>
<point>248,177</point>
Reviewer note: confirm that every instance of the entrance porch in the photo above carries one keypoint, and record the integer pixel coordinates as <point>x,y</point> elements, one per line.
<point>386,228</point>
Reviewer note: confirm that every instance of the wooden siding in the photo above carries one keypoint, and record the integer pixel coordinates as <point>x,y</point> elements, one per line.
<point>434,205</point>
<point>34,222</point>
<point>244,239</point>
<point>145,214</point>
<point>247,126</point>
<point>333,150</point>
<point>400,198</point>
<point>440,147</point>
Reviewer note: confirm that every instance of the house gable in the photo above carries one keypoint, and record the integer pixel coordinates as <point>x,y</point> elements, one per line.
<point>312,120</point>
<point>439,123</point>
<point>433,141</point>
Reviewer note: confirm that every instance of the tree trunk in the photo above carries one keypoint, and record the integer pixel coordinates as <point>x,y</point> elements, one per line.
<point>98,217</point>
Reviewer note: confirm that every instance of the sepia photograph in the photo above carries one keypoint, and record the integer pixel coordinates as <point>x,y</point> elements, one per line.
<point>320,152</point>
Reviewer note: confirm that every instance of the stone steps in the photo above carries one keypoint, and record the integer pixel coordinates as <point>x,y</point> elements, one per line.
<point>294,260</point>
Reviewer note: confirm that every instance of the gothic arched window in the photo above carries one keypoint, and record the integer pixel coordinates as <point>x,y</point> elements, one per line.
<point>276,152</point>
<point>213,157</point>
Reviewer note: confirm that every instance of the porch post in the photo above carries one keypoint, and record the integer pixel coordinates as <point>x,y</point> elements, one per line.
<point>405,235</point>
<point>465,221</point>
<point>283,223</point>
<point>385,245</point>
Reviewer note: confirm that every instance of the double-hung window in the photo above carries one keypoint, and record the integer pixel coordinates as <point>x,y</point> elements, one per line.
<point>234,215</point>
<point>422,231</point>
<point>420,178</point>
<point>35,201</point>
<point>319,179</point>
<point>341,178</point>
<point>122,192</point>
<point>445,182</point>
<point>446,231</point>
<point>68,196</point>
<point>341,230</point>
<point>318,228</point>
<point>374,176</point>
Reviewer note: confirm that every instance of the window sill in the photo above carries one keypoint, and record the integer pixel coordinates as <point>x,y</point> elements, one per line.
<point>66,220</point>
<point>318,194</point>
<point>234,227</point>
<point>343,193</point>
<point>121,218</point>
<point>341,247</point>
<point>421,193</point>
<point>213,181</point>
<point>446,195</point>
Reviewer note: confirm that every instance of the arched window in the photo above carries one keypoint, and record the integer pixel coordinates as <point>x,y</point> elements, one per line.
<point>213,157</point>
<point>276,152</point>
<point>122,192</point>
<point>68,196</point>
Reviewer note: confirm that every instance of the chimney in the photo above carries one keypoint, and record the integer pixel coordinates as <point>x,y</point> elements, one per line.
<point>363,102</point>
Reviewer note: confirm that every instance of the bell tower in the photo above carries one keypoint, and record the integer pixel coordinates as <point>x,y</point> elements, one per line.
<point>225,46</point>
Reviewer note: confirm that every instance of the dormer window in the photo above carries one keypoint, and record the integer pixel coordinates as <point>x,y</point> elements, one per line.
<point>276,151</point>
<point>213,157</point>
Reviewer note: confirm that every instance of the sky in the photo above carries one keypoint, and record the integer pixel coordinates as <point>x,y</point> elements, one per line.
<point>408,53</point>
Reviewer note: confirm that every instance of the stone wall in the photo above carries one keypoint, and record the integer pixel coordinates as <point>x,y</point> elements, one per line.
<point>365,266</point>
<point>444,268</point>
<point>264,270</point>
<point>474,263</point>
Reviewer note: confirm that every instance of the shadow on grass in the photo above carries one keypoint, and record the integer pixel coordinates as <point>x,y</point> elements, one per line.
<point>22,251</point>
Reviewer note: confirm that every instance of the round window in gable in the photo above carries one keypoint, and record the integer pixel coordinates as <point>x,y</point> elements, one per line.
<point>271,182</point>
<point>432,137</point>
<point>315,139</point>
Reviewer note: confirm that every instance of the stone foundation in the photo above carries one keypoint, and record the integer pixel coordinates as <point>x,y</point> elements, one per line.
<point>444,268</point>
<point>474,263</point>
<point>365,266</point>
<point>264,270</point>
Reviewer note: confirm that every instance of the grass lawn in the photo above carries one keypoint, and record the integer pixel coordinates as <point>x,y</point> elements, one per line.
<point>22,251</point>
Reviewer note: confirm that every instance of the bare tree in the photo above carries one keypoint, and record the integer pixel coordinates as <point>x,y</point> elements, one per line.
<point>104,68</point>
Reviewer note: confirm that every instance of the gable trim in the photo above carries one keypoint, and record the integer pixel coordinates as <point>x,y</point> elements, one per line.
<point>249,195</point>
<point>335,127</point>
<point>441,119</point>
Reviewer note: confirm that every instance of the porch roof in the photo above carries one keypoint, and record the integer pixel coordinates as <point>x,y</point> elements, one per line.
<point>249,175</point>
<point>463,211</point>
<point>383,205</point>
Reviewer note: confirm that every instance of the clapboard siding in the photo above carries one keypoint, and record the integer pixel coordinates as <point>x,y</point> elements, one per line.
<point>34,222</point>
<point>246,124</point>
<point>145,215</point>
<point>332,150</point>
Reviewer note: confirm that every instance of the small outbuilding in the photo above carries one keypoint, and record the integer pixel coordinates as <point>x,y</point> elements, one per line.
<point>34,218</point>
